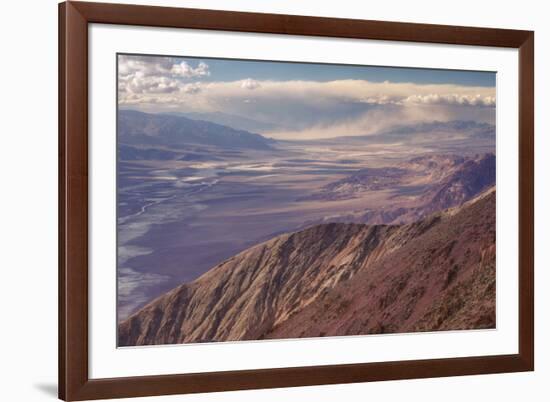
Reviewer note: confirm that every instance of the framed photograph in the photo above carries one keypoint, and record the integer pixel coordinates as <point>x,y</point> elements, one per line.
<point>259,200</point>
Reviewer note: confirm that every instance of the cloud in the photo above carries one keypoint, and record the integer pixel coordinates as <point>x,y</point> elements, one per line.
<point>185,70</point>
<point>347,107</point>
<point>145,65</point>
<point>249,83</point>
<point>301,108</point>
<point>192,88</point>
<point>382,117</point>
<point>139,84</point>
<point>148,75</point>
<point>452,99</point>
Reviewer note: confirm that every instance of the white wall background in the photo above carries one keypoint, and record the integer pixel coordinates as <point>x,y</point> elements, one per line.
<point>28,200</point>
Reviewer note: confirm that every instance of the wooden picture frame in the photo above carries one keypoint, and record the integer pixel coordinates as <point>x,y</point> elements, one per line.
<point>74,381</point>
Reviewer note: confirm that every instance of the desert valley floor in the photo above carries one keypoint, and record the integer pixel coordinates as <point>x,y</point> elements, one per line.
<point>297,238</point>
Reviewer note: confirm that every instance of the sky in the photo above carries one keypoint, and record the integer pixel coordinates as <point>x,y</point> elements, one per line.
<point>305,100</point>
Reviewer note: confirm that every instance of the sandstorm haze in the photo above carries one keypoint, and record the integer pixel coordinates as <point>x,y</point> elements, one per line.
<point>273,200</point>
<point>305,101</point>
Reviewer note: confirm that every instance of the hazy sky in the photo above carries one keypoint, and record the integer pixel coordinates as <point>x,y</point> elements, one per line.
<point>305,100</point>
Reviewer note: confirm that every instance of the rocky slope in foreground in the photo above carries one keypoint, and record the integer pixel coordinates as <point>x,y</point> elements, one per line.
<point>338,279</point>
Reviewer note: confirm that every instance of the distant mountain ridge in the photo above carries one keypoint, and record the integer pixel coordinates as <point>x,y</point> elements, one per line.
<point>230,120</point>
<point>452,125</point>
<point>447,180</point>
<point>138,128</point>
<point>429,132</point>
<point>468,178</point>
<point>338,279</point>
<point>472,178</point>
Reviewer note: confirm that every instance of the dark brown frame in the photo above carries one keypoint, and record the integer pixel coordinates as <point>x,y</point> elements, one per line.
<point>74,382</point>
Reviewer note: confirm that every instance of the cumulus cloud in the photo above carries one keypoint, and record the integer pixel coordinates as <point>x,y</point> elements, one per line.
<point>183,69</point>
<point>192,88</point>
<point>139,84</point>
<point>452,99</point>
<point>154,76</point>
<point>350,92</point>
<point>249,83</point>
<point>145,65</point>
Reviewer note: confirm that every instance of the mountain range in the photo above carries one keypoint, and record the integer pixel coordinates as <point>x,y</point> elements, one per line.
<point>145,129</point>
<point>439,134</point>
<point>230,120</point>
<point>437,273</point>
<point>444,181</point>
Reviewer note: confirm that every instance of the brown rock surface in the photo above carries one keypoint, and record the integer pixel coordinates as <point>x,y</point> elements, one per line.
<point>338,279</point>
